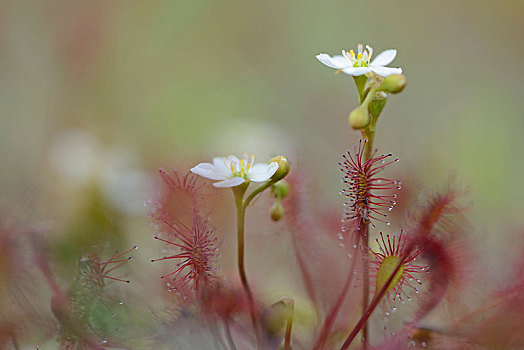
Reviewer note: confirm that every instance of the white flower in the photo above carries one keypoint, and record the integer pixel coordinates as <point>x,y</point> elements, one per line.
<point>359,64</point>
<point>233,171</point>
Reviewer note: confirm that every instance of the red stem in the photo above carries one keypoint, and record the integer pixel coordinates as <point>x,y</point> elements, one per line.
<point>374,302</point>
<point>365,281</point>
<point>330,318</point>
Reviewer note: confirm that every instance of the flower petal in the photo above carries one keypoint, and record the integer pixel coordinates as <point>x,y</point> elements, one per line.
<point>385,71</point>
<point>222,166</point>
<point>356,71</point>
<point>232,182</point>
<point>384,58</point>
<point>337,62</point>
<point>341,61</point>
<point>208,171</point>
<point>262,172</point>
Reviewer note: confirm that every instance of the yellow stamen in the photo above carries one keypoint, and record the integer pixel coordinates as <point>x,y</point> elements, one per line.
<point>359,56</point>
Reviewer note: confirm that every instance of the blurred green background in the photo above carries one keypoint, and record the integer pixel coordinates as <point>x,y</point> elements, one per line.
<point>109,91</point>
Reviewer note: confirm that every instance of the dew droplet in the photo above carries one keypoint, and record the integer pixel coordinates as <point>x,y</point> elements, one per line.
<point>340,236</point>
<point>341,244</point>
<point>350,255</point>
<point>103,341</point>
<point>121,302</point>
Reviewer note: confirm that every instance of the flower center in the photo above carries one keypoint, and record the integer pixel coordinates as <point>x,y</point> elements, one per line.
<point>362,58</point>
<point>240,168</point>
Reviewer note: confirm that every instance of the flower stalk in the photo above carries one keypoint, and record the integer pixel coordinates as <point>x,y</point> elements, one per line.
<point>238,193</point>
<point>368,147</point>
<point>241,205</point>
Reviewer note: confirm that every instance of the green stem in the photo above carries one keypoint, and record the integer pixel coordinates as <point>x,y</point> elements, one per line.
<point>242,205</point>
<point>256,191</point>
<point>241,214</point>
<point>15,342</point>
<point>290,305</point>
<point>369,131</point>
<point>360,82</point>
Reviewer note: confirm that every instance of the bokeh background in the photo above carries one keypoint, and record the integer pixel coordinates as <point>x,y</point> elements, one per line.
<point>97,95</point>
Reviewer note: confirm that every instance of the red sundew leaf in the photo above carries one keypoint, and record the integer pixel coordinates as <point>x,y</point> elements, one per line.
<point>439,230</point>
<point>176,201</point>
<point>95,272</point>
<point>298,219</point>
<point>498,322</point>
<point>367,193</point>
<point>441,215</point>
<point>393,250</point>
<point>72,329</point>
<point>195,248</point>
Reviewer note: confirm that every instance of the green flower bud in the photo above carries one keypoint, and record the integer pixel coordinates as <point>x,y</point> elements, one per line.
<point>280,189</point>
<point>278,314</point>
<point>393,83</point>
<point>276,211</point>
<point>283,168</point>
<point>359,118</point>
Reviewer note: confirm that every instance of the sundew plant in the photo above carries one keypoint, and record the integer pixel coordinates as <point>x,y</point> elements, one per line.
<point>364,273</point>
